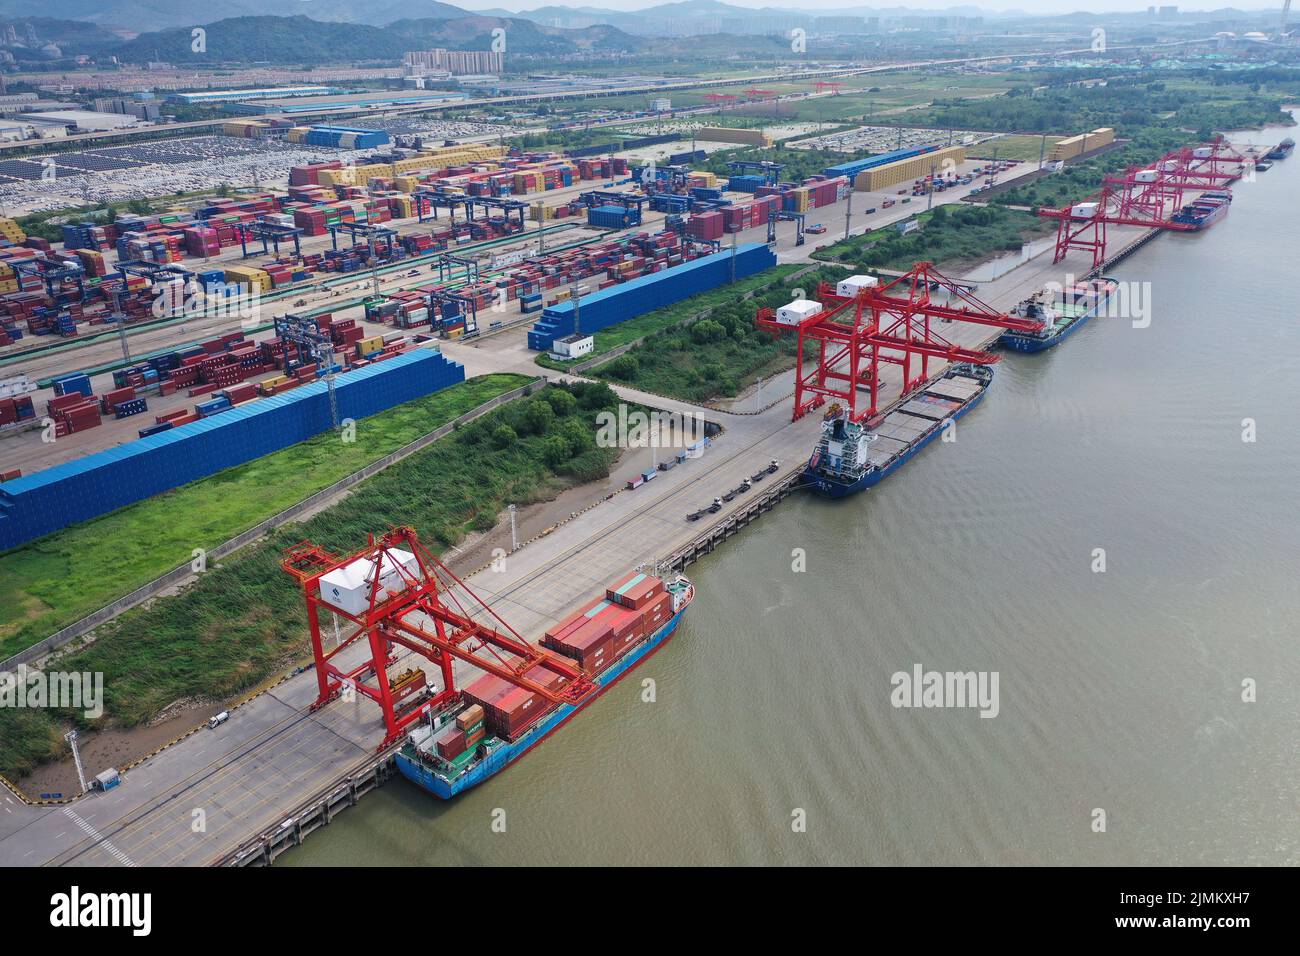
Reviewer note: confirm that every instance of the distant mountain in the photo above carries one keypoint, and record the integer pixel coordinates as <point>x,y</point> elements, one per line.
<point>155,15</point>
<point>300,39</point>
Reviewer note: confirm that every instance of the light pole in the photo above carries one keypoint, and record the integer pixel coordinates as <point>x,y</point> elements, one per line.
<point>578,292</point>
<point>71,738</point>
<point>514,534</point>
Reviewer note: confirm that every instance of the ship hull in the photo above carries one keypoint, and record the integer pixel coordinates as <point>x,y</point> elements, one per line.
<point>424,776</point>
<point>1018,342</point>
<point>830,488</point>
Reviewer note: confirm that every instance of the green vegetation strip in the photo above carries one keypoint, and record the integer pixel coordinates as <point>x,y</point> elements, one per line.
<point>964,235</point>
<point>617,335</point>
<point>243,621</point>
<point>59,579</point>
<point>717,356</point>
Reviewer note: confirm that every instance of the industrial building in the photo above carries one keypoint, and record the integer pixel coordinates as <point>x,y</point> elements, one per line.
<point>87,121</point>
<point>909,167</point>
<point>239,96</point>
<point>24,127</point>
<point>145,109</point>
<point>372,99</point>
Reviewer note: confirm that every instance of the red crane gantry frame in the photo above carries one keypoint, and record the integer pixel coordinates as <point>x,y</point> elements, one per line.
<point>832,85</point>
<point>427,599</point>
<point>1124,200</point>
<point>881,326</point>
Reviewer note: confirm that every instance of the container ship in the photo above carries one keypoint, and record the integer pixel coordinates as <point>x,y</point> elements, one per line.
<point>1206,210</point>
<point>495,722</point>
<point>1061,313</point>
<point>1282,150</point>
<point>850,458</point>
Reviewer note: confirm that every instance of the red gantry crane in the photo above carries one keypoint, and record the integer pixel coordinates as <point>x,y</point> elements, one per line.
<point>823,85</point>
<point>883,324</point>
<point>1143,196</point>
<point>393,593</point>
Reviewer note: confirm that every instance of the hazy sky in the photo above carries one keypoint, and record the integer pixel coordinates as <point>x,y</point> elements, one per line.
<point>1035,6</point>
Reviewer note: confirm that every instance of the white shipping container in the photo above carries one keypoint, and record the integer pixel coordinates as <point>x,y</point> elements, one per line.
<point>797,311</point>
<point>348,588</point>
<point>850,287</point>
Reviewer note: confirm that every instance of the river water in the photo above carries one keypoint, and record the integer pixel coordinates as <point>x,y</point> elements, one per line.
<point>772,738</point>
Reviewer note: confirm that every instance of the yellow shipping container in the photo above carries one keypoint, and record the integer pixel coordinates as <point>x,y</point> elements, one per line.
<point>902,170</point>
<point>249,276</point>
<point>1083,143</point>
<point>12,231</point>
<point>347,176</point>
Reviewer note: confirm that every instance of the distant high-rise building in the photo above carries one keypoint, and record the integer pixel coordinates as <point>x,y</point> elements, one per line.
<point>457,62</point>
<point>848,26</point>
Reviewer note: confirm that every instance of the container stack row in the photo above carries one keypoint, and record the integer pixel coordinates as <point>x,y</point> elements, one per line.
<point>618,303</point>
<point>38,504</point>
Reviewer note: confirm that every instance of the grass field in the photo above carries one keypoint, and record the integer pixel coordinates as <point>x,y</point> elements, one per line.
<point>241,622</point>
<point>717,356</point>
<point>1025,148</point>
<point>952,239</point>
<point>659,319</point>
<point>62,577</point>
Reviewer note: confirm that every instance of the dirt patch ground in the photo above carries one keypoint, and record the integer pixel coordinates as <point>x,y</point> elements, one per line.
<point>113,748</point>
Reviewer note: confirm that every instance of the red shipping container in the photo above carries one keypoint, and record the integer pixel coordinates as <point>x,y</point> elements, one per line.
<point>453,745</point>
<point>635,590</point>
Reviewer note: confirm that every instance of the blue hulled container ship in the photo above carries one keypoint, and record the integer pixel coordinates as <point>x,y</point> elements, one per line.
<point>1282,150</point>
<point>1061,313</point>
<point>850,458</point>
<point>493,724</point>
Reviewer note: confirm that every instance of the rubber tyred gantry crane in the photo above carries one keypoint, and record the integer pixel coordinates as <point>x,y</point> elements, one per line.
<point>824,85</point>
<point>884,324</point>
<point>393,593</point>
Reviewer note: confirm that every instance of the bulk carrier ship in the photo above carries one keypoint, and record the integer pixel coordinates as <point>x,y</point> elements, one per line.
<point>1060,312</point>
<point>850,458</point>
<point>1206,210</point>
<point>496,722</point>
<point>1282,150</point>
